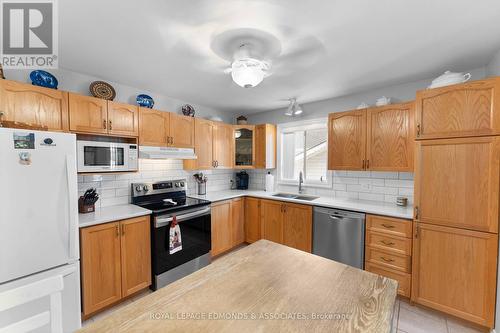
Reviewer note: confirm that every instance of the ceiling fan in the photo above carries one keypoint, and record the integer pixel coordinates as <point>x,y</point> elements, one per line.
<point>248,72</point>
<point>255,54</point>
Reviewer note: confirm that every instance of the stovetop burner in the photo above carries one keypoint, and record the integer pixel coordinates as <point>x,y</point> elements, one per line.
<point>181,203</point>
<point>165,196</point>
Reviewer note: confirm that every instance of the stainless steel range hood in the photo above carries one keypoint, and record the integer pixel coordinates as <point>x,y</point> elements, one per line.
<point>149,152</point>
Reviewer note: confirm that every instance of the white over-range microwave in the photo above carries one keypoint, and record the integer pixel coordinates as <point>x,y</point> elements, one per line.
<point>97,156</point>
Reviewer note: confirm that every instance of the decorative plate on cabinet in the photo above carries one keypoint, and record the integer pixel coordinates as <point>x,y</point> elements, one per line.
<point>101,89</point>
<point>188,110</point>
<point>43,79</point>
<point>145,101</point>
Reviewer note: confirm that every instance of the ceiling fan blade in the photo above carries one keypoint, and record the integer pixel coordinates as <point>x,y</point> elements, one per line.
<point>302,53</point>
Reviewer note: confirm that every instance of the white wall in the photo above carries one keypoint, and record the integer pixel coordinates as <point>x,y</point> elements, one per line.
<point>79,83</point>
<point>399,93</point>
<point>493,68</point>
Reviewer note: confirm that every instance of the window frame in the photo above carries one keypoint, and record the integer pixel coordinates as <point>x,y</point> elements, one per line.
<point>317,123</point>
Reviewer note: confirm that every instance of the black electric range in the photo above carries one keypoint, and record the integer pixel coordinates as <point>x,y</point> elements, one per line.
<point>168,201</point>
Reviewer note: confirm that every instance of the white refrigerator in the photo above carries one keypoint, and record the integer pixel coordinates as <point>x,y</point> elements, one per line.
<point>38,232</point>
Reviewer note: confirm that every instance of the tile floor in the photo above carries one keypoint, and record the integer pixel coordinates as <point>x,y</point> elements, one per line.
<point>413,319</point>
<point>407,318</point>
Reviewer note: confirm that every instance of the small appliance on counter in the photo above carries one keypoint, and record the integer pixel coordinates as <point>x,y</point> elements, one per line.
<point>242,180</point>
<point>269,182</point>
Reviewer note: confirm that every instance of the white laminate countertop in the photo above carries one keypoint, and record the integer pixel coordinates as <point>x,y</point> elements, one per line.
<point>365,206</point>
<point>110,214</point>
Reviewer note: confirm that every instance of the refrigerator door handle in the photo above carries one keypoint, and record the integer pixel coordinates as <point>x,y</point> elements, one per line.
<point>70,175</point>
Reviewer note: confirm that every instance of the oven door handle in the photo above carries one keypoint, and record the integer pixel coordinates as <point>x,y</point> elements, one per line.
<point>160,222</point>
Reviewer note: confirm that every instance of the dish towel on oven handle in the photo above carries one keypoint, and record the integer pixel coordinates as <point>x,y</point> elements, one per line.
<point>175,240</point>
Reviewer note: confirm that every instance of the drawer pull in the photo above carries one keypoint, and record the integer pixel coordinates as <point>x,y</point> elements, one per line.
<point>386,260</point>
<point>387,243</point>
<point>388,226</point>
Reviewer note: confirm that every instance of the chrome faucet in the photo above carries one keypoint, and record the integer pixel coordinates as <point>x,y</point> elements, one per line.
<point>301,180</point>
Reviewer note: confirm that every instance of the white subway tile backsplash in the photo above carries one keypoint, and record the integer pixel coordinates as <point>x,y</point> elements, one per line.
<point>359,174</point>
<point>371,196</point>
<point>345,180</point>
<point>115,189</point>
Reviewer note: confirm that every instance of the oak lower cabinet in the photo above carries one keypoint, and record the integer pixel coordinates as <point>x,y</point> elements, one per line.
<point>252,220</point>
<point>227,224</point>
<point>115,262</point>
<point>286,223</point>
<point>460,110</point>
<point>297,227</point>
<point>221,227</point>
<point>35,106</point>
<point>454,271</point>
<point>388,249</point>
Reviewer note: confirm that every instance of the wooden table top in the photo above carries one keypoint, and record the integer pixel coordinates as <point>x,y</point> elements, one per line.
<point>264,287</point>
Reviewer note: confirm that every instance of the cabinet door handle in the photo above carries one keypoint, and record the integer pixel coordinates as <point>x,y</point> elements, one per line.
<point>416,212</point>
<point>388,226</point>
<point>123,229</point>
<point>387,243</point>
<point>172,140</point>
<point>110,125</point>
<point>117,230</point>
<point>418,129</point>
<point>363,165</point>
<point>367,164</point>
<point>386,260</point>
<point>104,123</point>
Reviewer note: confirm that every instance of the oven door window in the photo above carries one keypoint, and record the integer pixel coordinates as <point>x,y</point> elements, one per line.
<point>103,156</point>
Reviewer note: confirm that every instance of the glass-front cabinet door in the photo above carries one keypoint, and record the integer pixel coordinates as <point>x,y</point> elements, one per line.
<point>244,147</point>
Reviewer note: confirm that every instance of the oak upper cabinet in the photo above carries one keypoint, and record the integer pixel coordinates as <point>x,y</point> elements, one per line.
<point>265,146</point>
<point>221,227</point>
<point>454,270</point>
<point>244,146</point>
<point>101,266</point>
<point>297,226</point>
<point>347,140</point>
<point>467,109</point>
<point>203,146</point>
<point>34,106</point>
<point>238,221</point>
<point>252,219</point>
<point>457,182</point>
<point>223,145</point>
<point>390,138</point>
<point>88,114</point>
<point>135,254</point>
<point>181,131</point>
<point>115,261</point>
<point>123,119</point>
<point>153,127</point>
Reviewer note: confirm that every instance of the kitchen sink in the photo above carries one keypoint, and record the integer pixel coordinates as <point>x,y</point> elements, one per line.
<point>306,197</point>
<point>285,195</point>
<point>295,196</point>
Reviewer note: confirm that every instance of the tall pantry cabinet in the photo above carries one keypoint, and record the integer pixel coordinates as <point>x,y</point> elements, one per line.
<point>457,170</point>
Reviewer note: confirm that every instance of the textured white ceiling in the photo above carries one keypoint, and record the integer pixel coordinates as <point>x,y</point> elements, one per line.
<point>168,46</point>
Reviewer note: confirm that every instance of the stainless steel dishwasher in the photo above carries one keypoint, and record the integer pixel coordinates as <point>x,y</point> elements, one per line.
<point>339,235</point>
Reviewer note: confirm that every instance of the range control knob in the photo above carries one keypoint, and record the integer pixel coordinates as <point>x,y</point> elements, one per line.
<point>182,184</point>
<point>177,185</point>
<point>146,188</point>
<point>138,188</point>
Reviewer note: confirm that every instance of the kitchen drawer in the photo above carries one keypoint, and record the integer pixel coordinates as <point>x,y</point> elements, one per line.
<point>389,225</point>
<point>388,260</point>
<point>393,244</point>
<point>404,279</point>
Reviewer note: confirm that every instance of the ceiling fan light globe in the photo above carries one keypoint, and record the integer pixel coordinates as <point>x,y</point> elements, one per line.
<point>247,77</point>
